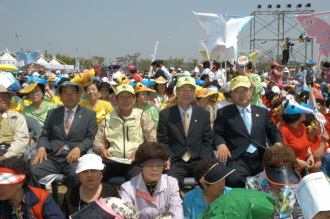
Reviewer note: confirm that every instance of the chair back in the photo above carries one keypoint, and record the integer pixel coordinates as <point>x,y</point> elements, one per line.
<point>34,126</point>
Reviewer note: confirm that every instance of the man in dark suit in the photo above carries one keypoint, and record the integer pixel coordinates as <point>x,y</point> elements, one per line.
<point>68,133</point>
<point>185,131</point>
<point>156,68</point>
<point>241,131</point>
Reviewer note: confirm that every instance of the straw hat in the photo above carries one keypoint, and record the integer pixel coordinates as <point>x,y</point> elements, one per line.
<point>160,80</point>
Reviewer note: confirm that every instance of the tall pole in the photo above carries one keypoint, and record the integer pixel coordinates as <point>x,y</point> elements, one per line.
<point>153,59</point>
<point>90,57</point>
<point>51,47</point>
<point>17,36</point>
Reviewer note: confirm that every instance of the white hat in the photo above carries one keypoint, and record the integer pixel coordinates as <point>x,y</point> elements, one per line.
<point>89,162</point>
<point>179,69</point>
<point>227,87</point>
<point>172,68</point>
<point>286,69</point>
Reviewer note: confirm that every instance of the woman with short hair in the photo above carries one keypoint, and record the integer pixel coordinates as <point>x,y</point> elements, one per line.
<point>38,108</point>
<point>202,100</point>
<point>105,90</point>
<point>160,87</point>
<point>151,192</point>
<point>17,199</point>
<point>294,133</point>
<point>101,107</point>
<point>143,94</point>
<point>279,179</point>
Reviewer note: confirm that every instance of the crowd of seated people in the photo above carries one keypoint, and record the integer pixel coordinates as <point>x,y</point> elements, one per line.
<point>155,133</point>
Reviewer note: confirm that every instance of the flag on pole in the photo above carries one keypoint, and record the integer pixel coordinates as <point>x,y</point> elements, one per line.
<point>203,52</point>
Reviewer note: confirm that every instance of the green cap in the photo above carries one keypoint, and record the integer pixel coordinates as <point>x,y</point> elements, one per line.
<point>186,80</point>
<point>242,204</point>
<point>124,87</point>
<point>240,81</point>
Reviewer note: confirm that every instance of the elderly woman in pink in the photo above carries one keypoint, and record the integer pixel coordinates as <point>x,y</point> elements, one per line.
<point>152,193</point>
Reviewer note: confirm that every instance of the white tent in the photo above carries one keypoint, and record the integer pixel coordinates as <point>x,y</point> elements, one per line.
<point>7,58</point>
<point>42,61</point>
<point>56,64</point>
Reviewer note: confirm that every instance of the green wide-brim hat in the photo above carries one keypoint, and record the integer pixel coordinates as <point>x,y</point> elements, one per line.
<point>241,204</point>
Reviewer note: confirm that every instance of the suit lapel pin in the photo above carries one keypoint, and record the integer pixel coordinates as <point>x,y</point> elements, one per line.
<point>80,116</point>
<point>195,120</point>
<point>257,115</point>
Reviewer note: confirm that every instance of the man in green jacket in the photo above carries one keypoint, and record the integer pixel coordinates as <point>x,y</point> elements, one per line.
<point>120,134</point>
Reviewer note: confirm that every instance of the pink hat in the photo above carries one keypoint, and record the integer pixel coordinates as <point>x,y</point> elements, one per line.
<point>131,68</point>
<point>276,64</point>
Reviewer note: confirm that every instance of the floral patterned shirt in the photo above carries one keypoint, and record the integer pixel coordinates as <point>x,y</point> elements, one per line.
<point>286,205</point>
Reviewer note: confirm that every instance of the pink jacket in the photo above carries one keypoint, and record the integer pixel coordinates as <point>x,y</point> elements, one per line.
<point>276,77</point>
<point>166,195</point>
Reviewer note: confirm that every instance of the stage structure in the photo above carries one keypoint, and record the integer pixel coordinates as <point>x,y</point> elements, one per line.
<point>269,29</point>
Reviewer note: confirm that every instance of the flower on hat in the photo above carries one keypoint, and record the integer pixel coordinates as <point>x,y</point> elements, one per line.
<point>124,87</point>
<point>123,80</point>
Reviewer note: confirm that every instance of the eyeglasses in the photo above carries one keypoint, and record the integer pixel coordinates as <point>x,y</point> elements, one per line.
<point>239,91</point>
<point>104,89</point>
<point>189,90</point>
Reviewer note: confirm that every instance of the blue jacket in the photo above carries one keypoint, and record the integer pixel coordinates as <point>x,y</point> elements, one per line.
<point>39,204</point>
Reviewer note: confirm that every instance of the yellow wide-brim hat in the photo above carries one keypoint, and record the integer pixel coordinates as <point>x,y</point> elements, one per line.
<point>140,87</point>
<point>204,93</point>
<point>29,88</point>
<point>160,80</point>
<point>85,78</point>
<point>123,79</point>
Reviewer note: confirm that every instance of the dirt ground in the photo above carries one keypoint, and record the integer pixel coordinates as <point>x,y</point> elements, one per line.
<point>61,191</point>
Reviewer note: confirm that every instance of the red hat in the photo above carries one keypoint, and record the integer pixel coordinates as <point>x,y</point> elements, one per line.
<point>131,68</point>
<point>96,67</point>
<point>276,64</point>
<point>53,71</point>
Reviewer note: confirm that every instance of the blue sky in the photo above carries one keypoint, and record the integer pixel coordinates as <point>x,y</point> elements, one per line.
<point>111,29</point>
